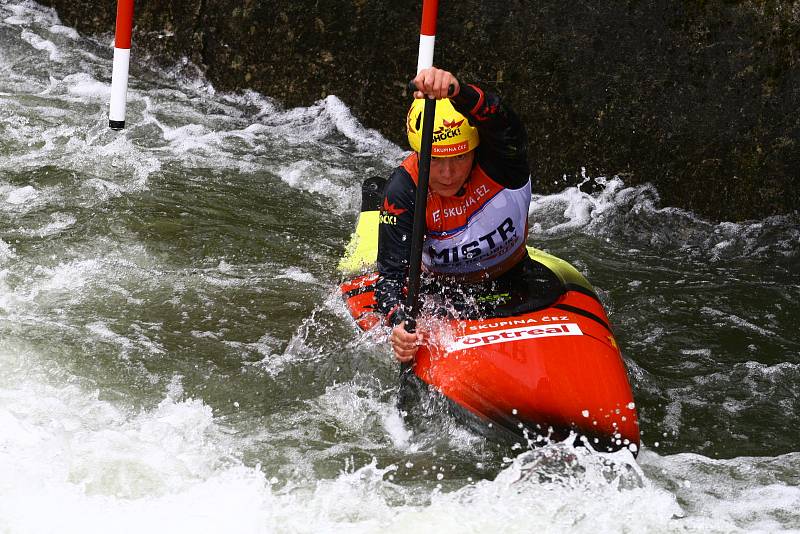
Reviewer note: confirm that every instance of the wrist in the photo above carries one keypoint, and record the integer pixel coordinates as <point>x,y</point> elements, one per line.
<point>396,316</point>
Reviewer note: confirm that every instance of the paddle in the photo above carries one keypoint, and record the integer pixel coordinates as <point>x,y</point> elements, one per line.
<point>427,38</point>
<point>420,206</point>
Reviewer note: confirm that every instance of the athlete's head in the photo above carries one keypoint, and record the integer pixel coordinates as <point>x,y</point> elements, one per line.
<point>452,132</point>
<point>454,142</point>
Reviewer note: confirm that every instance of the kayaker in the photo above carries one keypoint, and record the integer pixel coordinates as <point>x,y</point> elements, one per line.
<point>478,200</point>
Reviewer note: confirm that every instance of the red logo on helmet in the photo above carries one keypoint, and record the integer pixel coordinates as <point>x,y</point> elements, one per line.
<point>453,124</point>
<point>409,127</point>
<point>391,209</point>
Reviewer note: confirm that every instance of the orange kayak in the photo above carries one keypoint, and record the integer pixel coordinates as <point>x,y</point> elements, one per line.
<point>546,372</point>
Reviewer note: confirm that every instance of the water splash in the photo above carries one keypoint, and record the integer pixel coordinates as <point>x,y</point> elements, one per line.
<point>633,214</point>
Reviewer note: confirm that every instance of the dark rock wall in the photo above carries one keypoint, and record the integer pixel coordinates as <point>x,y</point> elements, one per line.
<point>701,98</point>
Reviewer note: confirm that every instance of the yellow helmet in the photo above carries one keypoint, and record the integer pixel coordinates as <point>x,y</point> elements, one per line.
<point>452,132</point>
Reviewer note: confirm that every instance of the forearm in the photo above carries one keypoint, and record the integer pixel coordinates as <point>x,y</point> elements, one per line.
<point>503,140</point>
<point>389,297</point>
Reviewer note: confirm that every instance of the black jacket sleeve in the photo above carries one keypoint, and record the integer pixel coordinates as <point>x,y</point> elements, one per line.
<point>394,243</point>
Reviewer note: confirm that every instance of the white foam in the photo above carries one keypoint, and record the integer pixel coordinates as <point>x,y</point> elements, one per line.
<point>397,431</point>
<point>38,288</point>
<point>513,502</point>
<point>672,416</point>
<point>92,465</point>
<point>67,148</point>
<point>314,177</point>
<point>135,339</point>
<point>696,352</point>
<point>40,43</point>
<point>15,20</point>
<point>103,188</point>
<point>265,105</point>
<point>366,139</point>
<point>735,320</point>
<point>133,165</point>
<point>571,209</point>
<point>298,275</point>
<point>58,223</point>
<point>24,13</point>
<point>71,33</point>
<point>6,252</point>
<point>633,212</point>
<point>739,494</point>
<point>87,87</point>
<point>22,195</point>
<point>67,276</point>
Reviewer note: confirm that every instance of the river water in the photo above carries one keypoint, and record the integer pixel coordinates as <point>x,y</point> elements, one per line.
<point>174,356</point>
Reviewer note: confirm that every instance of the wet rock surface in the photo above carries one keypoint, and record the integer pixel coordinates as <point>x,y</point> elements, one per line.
<point>699,98</point>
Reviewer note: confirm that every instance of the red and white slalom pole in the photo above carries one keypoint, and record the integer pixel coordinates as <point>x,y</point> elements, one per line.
<point>427,34</point>
<point>122,57</point>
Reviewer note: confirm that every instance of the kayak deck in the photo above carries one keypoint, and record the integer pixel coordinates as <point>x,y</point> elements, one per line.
<point>549,372</point>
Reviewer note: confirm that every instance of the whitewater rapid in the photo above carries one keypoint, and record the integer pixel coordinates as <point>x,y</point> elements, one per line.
<point>174,355</point>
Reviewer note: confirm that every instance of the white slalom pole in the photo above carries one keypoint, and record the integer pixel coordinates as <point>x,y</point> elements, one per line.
<point>427,34</point>
<point>122,56</point>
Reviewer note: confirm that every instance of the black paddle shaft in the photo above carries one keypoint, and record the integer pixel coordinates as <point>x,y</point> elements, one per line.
<point>420,207</point>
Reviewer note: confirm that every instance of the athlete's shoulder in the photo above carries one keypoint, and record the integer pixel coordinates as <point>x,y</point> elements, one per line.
<point>503,172</point>
<point>400,184</point>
